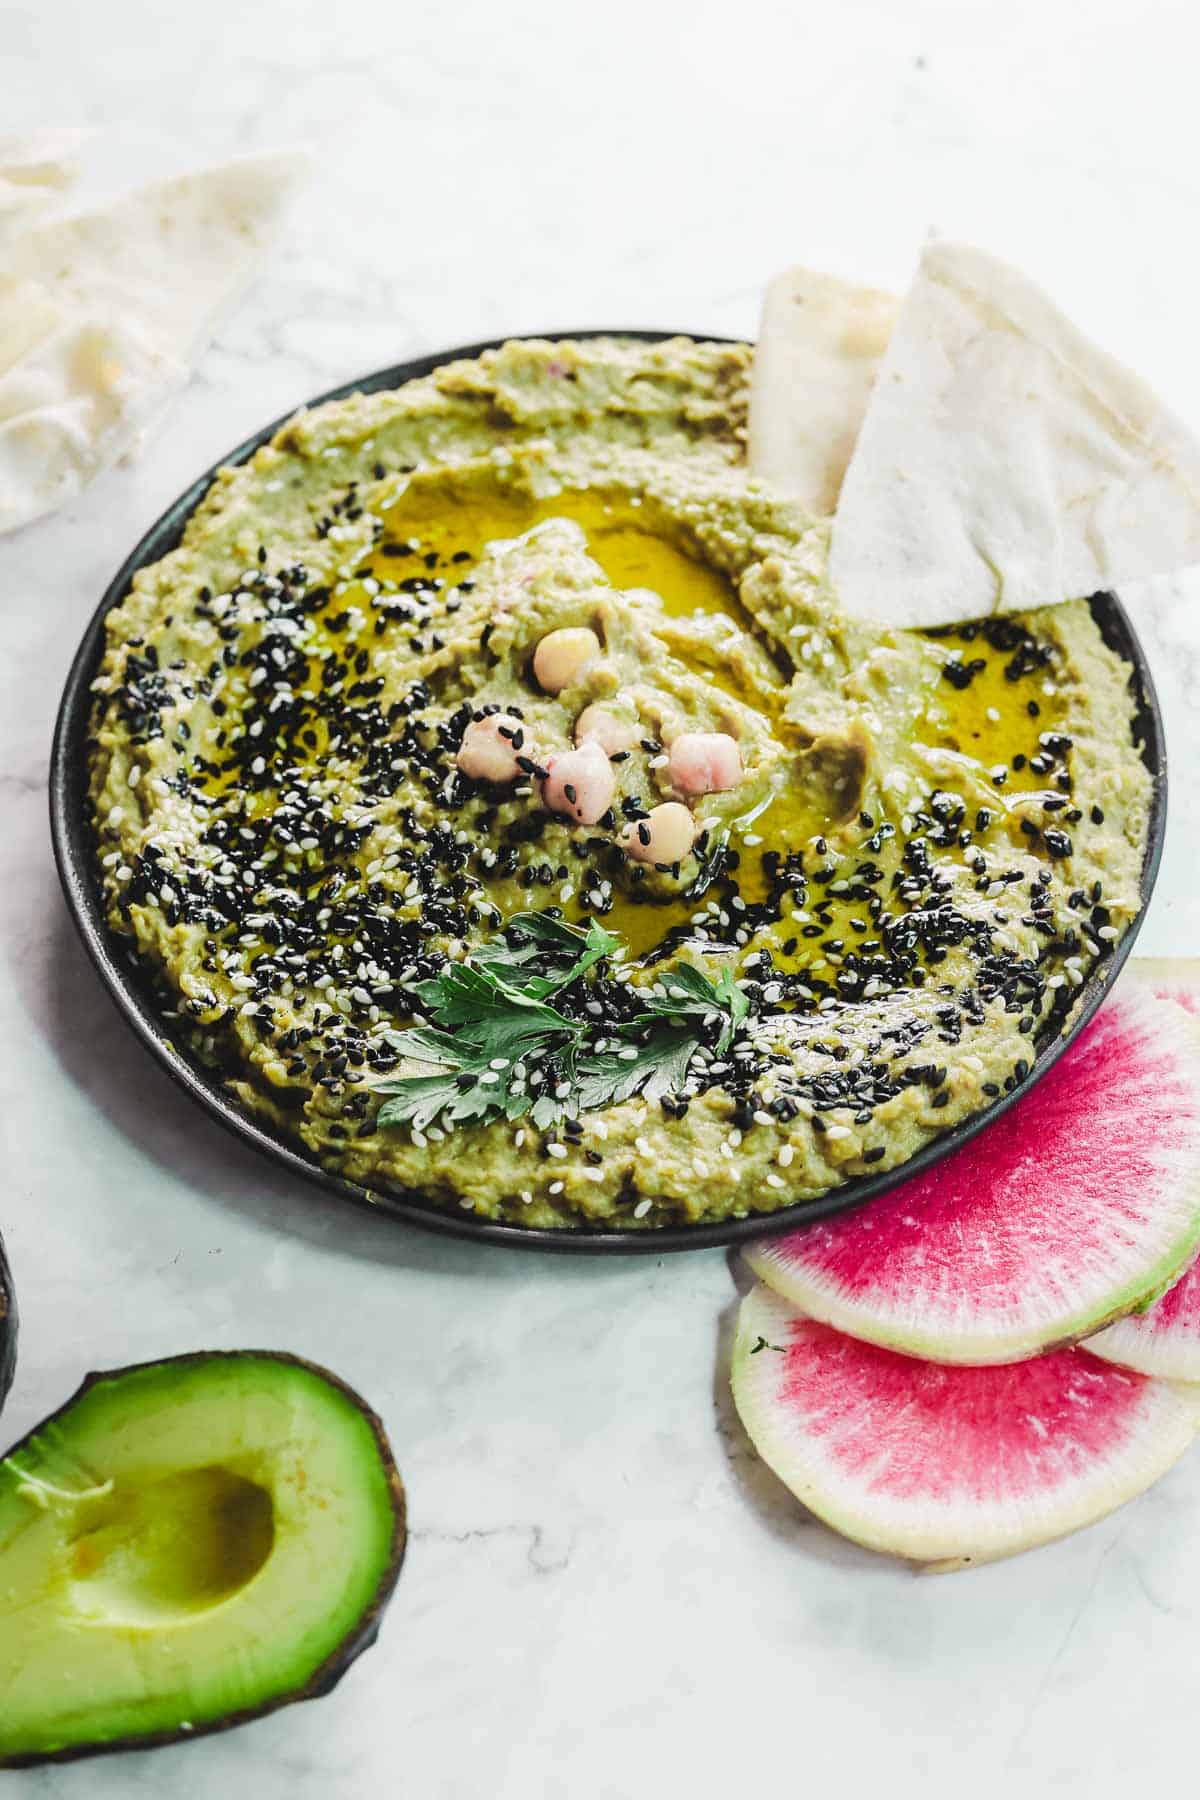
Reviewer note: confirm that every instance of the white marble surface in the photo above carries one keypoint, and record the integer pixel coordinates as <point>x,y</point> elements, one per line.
<point>606,1596</point>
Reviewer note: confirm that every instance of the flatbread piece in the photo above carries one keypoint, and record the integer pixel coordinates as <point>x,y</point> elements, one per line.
<point>819,346</point>
<point>1005,462</point>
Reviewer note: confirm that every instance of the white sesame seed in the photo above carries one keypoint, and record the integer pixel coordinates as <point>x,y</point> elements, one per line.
<point>785,1156</point>
<point>642,1208</point>
<point>773,1181</point>
<point>556,1187</point>
<point>556,1149</point>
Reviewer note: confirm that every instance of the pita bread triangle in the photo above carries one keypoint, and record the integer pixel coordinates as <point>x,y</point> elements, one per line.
<point>1004,462</point>
<point>819,346</point>
<point>167,259</point>
<point>101,316</point>
<point>36,168</point>
<point>74,390</point>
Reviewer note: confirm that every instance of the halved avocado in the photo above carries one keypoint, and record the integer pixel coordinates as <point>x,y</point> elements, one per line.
<point>8,1327</point>
<point>186,1545</point>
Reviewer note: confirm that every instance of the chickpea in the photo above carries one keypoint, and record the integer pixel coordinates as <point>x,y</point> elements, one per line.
<point>665,836</point>
<point>598,724</point>
<point>490,748</point>
<point>704,762</point>
<point>580,784</point>
<point>562,655</point>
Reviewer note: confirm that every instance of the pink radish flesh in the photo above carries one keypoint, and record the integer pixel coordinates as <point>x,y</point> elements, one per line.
<point>948,1464</point>
<point>1165,1340</point>
<point>1073,1207</point>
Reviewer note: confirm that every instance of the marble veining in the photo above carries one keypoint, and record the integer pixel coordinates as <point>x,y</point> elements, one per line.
<point>606,1594</point>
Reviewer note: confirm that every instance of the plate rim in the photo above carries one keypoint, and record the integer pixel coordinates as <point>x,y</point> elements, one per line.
<point>70,837</point>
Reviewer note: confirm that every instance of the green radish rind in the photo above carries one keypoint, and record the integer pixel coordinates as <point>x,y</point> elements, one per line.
<point>933,1299</point>
<point>956,1523</point>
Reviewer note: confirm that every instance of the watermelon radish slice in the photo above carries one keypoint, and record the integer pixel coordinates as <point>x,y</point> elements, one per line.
<point>1078,1204</point>
<point>949,1466</point>
<point>1164,1340</point>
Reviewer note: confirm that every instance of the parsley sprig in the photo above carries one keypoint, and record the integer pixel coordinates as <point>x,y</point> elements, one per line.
<point>498,1047</point>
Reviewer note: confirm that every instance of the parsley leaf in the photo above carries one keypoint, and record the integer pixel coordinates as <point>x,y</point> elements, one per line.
<point>689,995</point>
<point>496,1047</point>
<point>547,939</point>
<point>659,1067</point>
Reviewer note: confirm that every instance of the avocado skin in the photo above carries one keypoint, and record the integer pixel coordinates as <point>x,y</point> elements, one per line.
<point>8,1327</point>
<point>326,1676</point>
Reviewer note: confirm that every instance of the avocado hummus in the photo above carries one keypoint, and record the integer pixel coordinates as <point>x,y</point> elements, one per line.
<point>524,636</point>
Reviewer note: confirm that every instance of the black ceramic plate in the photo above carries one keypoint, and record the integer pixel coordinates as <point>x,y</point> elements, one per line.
<point>131,991</point>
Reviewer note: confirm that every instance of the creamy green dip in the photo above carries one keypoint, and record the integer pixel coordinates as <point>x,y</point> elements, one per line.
<point>934,837</point>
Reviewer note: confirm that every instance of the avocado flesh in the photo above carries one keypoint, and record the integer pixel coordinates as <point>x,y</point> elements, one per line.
<point>186,1544</point>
